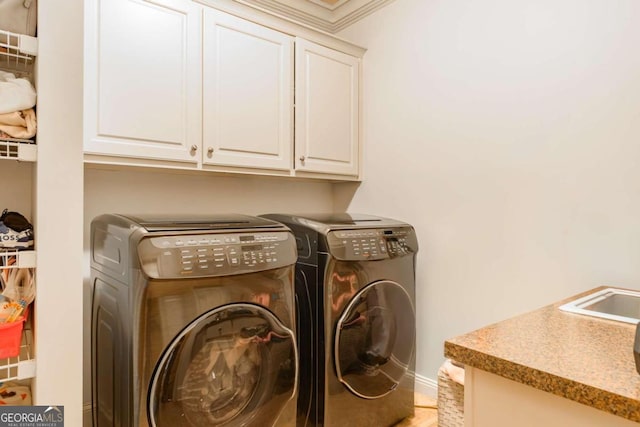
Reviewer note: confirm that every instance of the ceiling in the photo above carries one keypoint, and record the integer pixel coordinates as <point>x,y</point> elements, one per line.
<point>327,15</point>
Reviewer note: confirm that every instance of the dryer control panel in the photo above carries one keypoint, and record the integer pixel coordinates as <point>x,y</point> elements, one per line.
<point>205,255</point>
<point>372,244</point>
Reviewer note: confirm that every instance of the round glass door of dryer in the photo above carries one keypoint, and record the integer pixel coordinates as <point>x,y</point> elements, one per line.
<point>233,365</point>
<point>375,339</point>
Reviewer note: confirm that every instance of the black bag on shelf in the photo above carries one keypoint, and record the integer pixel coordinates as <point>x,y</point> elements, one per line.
<point>15,220</point>
<point>16,232</point>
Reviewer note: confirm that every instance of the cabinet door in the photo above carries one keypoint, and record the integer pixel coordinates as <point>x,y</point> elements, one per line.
<point>143,73</point>
<point>327,110</point>
<point>248,94</point>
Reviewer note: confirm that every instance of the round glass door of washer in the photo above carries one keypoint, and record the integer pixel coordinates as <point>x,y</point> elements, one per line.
<point>235,364</point>
<point>375,339</point>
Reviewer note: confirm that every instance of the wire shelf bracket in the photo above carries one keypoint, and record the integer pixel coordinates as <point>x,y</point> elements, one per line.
<point>18,45</point>
<point>24,259</point>
<point>16,149</point>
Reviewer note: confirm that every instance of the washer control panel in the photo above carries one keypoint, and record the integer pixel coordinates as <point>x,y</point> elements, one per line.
<point>201,255</point>
<point>372,244</point>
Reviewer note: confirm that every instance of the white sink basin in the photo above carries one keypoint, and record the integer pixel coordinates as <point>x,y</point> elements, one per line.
<point>610,303</point>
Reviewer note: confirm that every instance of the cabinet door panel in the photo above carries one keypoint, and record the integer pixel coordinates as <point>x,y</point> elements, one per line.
<point>327,110</point>
<point>248,94</point>
<point>144,79</point>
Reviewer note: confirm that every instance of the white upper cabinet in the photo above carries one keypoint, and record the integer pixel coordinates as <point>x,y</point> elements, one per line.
<point>327,110</point>
<point>143,79</point>
<point>215,85</point>
<point>248,94</point>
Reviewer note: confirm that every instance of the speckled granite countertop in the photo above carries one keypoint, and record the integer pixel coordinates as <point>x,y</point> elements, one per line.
<point>582,358</point>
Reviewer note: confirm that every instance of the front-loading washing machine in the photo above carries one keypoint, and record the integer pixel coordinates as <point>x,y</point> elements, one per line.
<point>355,294</point>
<point>193,321</point>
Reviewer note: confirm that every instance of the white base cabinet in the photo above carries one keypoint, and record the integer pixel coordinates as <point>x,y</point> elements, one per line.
<point>490,400</point>
<point>178,84</point>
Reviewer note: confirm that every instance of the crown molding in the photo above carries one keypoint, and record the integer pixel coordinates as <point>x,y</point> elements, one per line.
<point>324,16</point>
<point>327,5</point>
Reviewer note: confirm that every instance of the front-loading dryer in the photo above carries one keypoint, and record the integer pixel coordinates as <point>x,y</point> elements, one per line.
<point>355,295</point>
<point>193,321</point>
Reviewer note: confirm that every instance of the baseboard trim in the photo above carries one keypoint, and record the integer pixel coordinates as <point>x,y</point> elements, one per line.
<point>426,386</point>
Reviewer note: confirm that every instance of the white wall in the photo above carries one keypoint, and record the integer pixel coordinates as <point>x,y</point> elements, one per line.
<point>144,191</point>
<point>17,193</point>
<point>138,191</point>
<point>58,209</point>
<point>508,133</point>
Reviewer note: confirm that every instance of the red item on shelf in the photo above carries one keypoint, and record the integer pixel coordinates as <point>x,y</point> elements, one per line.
<point>10,338</point>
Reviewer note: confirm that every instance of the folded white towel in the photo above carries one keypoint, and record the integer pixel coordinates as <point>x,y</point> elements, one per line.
<point>16,94</point>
